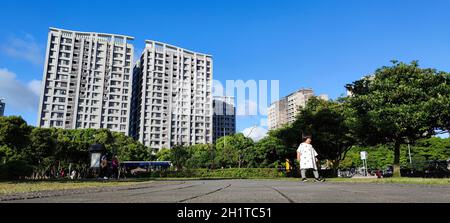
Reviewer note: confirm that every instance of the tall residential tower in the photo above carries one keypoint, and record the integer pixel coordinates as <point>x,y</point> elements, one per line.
<point>2,107</point>
<point>283,111</point>
<point>87,81</point>
<point>224,118</point>
<point>172,101</point>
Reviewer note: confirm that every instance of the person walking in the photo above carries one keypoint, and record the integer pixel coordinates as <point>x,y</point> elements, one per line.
<point>307,158</point>
<point>104,167</point>
<point>288,168</point>
<point>115,167</point>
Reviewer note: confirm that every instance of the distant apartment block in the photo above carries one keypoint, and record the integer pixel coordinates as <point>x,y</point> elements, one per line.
<point>284,111</point>
<point>172,101</point>
<point>324,97</point>
<point>2,107</point>
<point>224,118</point>
<point>87,81</point>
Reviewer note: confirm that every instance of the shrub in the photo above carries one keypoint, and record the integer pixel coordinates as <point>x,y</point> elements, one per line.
<point>218,173</point>
<point>17,169</point>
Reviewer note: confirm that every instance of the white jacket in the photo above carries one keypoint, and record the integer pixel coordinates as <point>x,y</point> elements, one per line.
<point>307,156</point>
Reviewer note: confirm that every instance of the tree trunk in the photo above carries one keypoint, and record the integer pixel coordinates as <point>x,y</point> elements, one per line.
<point>397,160</point>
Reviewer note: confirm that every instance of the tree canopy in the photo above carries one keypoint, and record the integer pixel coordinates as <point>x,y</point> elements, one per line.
<point>399,104</point>
<point>327,122</point>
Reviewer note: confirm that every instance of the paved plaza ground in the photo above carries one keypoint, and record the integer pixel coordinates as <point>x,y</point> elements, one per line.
<point>243,191</point>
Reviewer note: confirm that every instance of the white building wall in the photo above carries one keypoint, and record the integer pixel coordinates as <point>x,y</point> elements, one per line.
<point>285,110</point>
<point>86,81</point>
<point>174,105</point>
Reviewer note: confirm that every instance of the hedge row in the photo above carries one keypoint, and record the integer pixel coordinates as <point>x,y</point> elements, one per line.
<point>218,173</point>
<point>15,170</point>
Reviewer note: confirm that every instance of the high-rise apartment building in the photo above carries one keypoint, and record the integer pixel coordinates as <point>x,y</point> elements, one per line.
<point>2,107</point>
<point>172,101</point>
<point>284,111</point>
<point>87,81</point>
<point>224,118</point>
<point>277,114</point>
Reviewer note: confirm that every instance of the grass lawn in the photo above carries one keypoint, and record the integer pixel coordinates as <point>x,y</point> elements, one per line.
<point>11,187</point>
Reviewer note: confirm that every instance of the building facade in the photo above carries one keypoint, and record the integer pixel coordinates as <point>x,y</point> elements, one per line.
<point>284,111</point>
<point>224,118</point>
<point>87,81</point>
<point>2,107</point>
<point>172,101</point>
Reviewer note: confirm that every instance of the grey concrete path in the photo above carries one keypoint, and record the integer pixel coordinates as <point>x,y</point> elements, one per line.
<point>252,191</point>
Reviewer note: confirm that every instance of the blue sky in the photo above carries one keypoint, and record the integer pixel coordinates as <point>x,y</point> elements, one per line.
<point>317,43</point>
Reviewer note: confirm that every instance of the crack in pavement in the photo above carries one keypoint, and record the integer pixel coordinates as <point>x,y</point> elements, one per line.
<point>282,194</point>
<point>201,195</point>
<point>178,188</point>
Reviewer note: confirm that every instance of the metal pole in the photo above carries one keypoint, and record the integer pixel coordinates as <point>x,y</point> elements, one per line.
<point>364,165</point>
<point>409,151</point>
<point>365,168</point>
<point>367,171</point>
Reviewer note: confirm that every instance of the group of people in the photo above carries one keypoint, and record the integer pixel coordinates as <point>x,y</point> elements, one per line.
<point>109,169</point>
<point>307,157</point>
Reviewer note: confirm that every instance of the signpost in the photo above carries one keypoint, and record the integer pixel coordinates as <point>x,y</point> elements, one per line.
<point>364,159</point>
<point>95,152</point>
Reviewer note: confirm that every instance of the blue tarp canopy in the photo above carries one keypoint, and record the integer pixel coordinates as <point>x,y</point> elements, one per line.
<point>145,164</point>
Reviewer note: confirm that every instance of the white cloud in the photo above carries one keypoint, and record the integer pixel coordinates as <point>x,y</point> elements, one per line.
<point>25,48</point>
<point>19,96</point>
<point>256,133</point>
<point>35,86</point>
<point>247,108</point>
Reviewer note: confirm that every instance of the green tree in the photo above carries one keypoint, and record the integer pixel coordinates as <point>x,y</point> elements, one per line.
<point>127,148</point>
<point>268,151</point>
<point>164,155</point>
<point>231,150</point>
<point>14,137</point>
<point>396,105</point>
<point>104,136</point>
<point>329,124</point>
<point>200,156</point>
<point>179,156</point>
<point>433,148</point>
<point>42,145</point>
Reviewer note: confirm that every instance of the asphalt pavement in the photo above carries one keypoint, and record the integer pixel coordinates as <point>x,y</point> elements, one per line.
<point>244,191</point>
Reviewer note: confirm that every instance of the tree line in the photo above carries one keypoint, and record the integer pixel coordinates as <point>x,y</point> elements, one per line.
<point>397,105</point>
<point>43,152</point>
